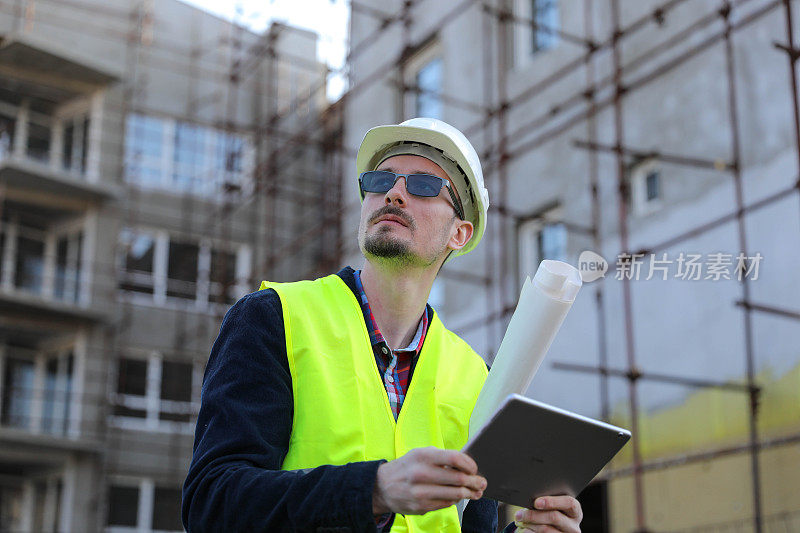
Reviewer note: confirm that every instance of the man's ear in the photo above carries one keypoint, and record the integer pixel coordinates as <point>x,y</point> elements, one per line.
<point>462,235</point>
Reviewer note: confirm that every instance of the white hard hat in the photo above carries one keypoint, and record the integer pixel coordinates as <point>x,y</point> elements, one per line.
<point>453,145</point>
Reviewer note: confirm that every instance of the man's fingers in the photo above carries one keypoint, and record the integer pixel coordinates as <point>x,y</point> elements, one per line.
<point>531,528</point>
<point>428,474</point>
<point>444,493</point>
<point>566,504</point>
<point>457,460</point>
<point>540,520</point>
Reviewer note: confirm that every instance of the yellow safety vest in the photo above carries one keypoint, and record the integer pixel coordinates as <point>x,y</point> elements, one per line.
<point>341,409</point>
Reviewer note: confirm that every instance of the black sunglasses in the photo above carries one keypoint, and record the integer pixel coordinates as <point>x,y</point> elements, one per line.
<point>426,185</point>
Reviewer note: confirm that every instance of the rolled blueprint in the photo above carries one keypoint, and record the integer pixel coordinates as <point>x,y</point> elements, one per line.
<point>543,305</point>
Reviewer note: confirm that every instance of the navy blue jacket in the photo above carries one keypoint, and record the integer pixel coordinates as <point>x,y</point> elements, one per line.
<point>234,481</point>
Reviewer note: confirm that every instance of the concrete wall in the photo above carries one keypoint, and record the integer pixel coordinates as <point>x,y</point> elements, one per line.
<point>681,327</point>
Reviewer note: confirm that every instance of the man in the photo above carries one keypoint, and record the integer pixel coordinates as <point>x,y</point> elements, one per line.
<point>310,419</point>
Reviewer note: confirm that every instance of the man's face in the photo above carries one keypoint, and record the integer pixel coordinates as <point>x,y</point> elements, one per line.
<point>424,226</point>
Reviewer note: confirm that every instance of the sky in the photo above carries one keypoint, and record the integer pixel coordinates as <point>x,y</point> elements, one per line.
<point>328,18</point>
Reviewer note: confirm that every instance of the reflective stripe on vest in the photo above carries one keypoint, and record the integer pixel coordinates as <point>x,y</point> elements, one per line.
<point>341,408</point>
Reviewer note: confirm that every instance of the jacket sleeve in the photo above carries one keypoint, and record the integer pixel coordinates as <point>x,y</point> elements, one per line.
<point>480,516</point>
<point>234,481</point>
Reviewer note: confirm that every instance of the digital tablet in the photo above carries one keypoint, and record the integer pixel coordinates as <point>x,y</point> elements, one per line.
<point>530,449</point>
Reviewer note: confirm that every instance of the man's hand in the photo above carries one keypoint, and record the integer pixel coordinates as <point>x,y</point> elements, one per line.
<point>426,479</point>
<point>551,513</point>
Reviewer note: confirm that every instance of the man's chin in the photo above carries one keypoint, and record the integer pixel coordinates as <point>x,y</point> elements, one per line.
<point>384,246</point>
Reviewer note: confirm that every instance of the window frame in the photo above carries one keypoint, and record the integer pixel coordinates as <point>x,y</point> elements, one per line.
<point>86,110</point>
<point>146,505</point>
<point>67,396</point>
<point>211,187</point>
<point>411,69</point>
<point>523,34</point>
<point>151,402</point>
<point>79,114</point>
<point>78,228</point>
<point>639,204</point>
<point>528,231</point>
<point>201,301</point>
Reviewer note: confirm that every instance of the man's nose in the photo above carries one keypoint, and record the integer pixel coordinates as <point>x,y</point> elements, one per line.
<point>397,194</point>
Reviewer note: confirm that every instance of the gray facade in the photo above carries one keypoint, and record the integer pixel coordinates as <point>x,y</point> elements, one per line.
<point>139,148</point>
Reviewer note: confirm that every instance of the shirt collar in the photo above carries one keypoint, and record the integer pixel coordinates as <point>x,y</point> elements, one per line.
<point>372,326</point>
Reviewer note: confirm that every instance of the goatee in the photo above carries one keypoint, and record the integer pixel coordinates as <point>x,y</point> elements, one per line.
<point>380,245</point>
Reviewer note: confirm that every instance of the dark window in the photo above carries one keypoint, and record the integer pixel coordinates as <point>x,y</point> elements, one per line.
<point>2,250</point>
<point>176,385</point>
<point>167,510</point>
<point>61,267</point>
<point>69,144</point>
<point>131,379</point>
<point>39,496</point>
<point>138,250</point>
<point>17,392</point>
<point>68,388</point>
<point>52,399</point>
<point>30,264</point>
<point>182,270</point>
<point>76,143</point>
<point>123,506</point>
<point>222,276</point>
<point>84,144</point>
<point>38,142</point>
<point>652,184</point>
<point>7,127</point>
<point>68,257</point>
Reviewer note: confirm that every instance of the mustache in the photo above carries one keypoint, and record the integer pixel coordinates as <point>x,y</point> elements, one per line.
<point>392,210</point>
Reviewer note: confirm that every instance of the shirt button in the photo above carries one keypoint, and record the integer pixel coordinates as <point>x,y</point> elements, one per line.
<point>384,350</point>
<point>390,379</point>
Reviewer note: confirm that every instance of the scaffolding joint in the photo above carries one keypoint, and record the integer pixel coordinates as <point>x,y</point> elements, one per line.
<point>634,374</point>
<point>794,53</point>
<point>659,16</point>
<point>755,398</point>
<point>725,11</point>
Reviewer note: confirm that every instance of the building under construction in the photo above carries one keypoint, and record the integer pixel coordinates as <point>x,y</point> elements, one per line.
<point>157,162</point>
<point>136,139</point>
<point>662,135</point>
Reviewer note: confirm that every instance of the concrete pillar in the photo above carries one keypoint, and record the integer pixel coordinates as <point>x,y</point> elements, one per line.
<point>21,130</point>
<point>146,494</point>
<point>79,499</point>
<point>28,500</point>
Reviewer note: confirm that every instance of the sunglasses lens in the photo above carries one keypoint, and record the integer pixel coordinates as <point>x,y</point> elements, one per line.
<point>377,181</point>
<point>423,185</point>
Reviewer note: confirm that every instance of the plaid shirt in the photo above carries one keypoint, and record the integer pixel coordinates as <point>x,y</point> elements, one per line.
<point>395,366</point>
<point>395,369</point>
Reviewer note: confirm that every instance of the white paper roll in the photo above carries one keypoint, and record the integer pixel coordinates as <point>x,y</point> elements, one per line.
<point>543,305</point>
